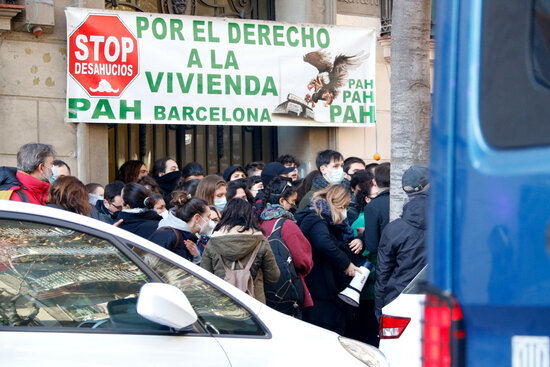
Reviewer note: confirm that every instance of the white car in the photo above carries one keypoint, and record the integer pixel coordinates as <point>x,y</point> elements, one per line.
<point>401,325</point>
<point>78,292</point>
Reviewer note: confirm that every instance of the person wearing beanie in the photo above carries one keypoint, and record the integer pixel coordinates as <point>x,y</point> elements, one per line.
<point>234,173</point>
<point>402,249</point>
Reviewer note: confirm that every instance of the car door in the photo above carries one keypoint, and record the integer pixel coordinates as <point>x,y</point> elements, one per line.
<point>68,298</point>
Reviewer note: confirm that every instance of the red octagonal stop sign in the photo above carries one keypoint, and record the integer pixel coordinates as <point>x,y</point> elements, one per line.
<point>103,55</point>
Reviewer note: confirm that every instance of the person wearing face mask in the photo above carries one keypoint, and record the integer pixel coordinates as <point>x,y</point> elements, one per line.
<point>178,231</point>
<point>166,173</point>
<point>330,164</point>
<point>336,256</point>
<point>278,202</point>
<point>212,189</point>
<point>135,215</point>
<point>30,181</point>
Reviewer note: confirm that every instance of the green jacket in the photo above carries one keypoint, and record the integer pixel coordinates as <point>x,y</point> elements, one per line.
<point>233,246</point>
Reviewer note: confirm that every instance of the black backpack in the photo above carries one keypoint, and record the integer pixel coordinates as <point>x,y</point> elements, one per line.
<point>287,294</point>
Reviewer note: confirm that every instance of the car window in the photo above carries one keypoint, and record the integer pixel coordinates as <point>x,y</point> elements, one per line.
<point>218,312</point>
<point>415,286</point>
<point>60,278</point>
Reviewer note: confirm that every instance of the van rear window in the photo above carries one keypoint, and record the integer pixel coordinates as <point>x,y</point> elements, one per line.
<point>514,99</point>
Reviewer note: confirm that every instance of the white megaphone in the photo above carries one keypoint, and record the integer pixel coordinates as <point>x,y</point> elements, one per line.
<point>351,294</point>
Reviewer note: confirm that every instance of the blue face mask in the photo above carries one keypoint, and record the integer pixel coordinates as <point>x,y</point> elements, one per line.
<point>336,176</point>
<point>220,203</point>
<point>53,176</point>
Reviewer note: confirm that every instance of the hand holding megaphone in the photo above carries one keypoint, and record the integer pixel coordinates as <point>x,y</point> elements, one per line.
<point>351,294</point>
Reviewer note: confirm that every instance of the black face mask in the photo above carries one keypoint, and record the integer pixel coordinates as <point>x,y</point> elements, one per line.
<point>293,209</point>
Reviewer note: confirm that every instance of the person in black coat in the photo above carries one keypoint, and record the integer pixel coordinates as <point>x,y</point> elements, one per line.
<point>402,250</point>
<point>178,231</point>
<point>136,218</point>
<point>334,253</point>
<point>377,212</point>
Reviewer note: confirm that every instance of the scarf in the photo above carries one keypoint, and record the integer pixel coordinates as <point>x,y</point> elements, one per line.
<point>344,228</point>
<point>275,211</point>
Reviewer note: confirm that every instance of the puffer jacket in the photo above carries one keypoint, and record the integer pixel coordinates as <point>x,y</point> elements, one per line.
<point>35,190</point>
<point>233,246</point>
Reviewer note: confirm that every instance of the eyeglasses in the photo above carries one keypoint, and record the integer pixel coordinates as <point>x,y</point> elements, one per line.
<point>118,207</point>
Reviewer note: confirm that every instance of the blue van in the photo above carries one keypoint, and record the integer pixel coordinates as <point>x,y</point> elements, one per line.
<point>489,238</point>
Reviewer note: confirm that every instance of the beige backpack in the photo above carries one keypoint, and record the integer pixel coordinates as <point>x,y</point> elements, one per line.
<point>241,278</point>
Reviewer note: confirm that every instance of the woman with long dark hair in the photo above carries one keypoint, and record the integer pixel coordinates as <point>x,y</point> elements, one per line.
<point>178,231</point>
<point>236,238</point>
<point>135,215</point>
<point>279,199</point>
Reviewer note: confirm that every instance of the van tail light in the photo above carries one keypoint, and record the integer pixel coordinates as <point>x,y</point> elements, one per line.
<point>443,343</point>
<point>391,327</point>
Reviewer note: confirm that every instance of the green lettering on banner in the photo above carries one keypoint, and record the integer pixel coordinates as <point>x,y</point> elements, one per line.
<point>169,83</point>
<point>213,60</point>
<point>185,86</point>
<point>154,87</point>
<point>162,33</point>
<point>103,108</point>
<point>233,32</point>
<point>214,113</point>
<point>173,115</point>
<point>323,38</point>
<point>266,117</point>
<point>211,37</point>
<point>291,42</point>
<point>335,111</point>
<point>77,104</point>
<point>252,115</point>
<point>160,113</point>
<point>213,81</point>
<point>194,59</point>
<point>124,109</point>
<point>142,24</point>
<point>308,36</point>
<point>231,60</point>
<point>230,83</point>
<point>249,34</point>
<point>370,114</point>
<point>201,113</point>
<point>278,35</point>
<point>238,114</point>
<point>269,86</point>
<point>187,112</point>
<point>176,27</point>
<point>252,85</point>
<point>263,34</point>
<point>198,31</point>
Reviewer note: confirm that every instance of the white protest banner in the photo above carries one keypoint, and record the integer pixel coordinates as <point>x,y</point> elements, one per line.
<point>127,67</point>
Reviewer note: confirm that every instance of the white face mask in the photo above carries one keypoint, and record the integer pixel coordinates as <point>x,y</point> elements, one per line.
<point>336,176</point>
<point>220,203</point>
<point>164,214</point>
<point>208,227</point>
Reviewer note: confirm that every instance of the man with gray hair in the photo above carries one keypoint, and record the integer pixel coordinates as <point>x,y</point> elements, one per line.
<point>30,182</point>
<point>402,249</point>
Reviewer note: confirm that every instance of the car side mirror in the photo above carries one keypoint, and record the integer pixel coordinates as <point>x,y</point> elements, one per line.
<point>166,305</point>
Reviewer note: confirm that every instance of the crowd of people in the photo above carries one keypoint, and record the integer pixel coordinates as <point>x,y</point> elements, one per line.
<point>331,222</point>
